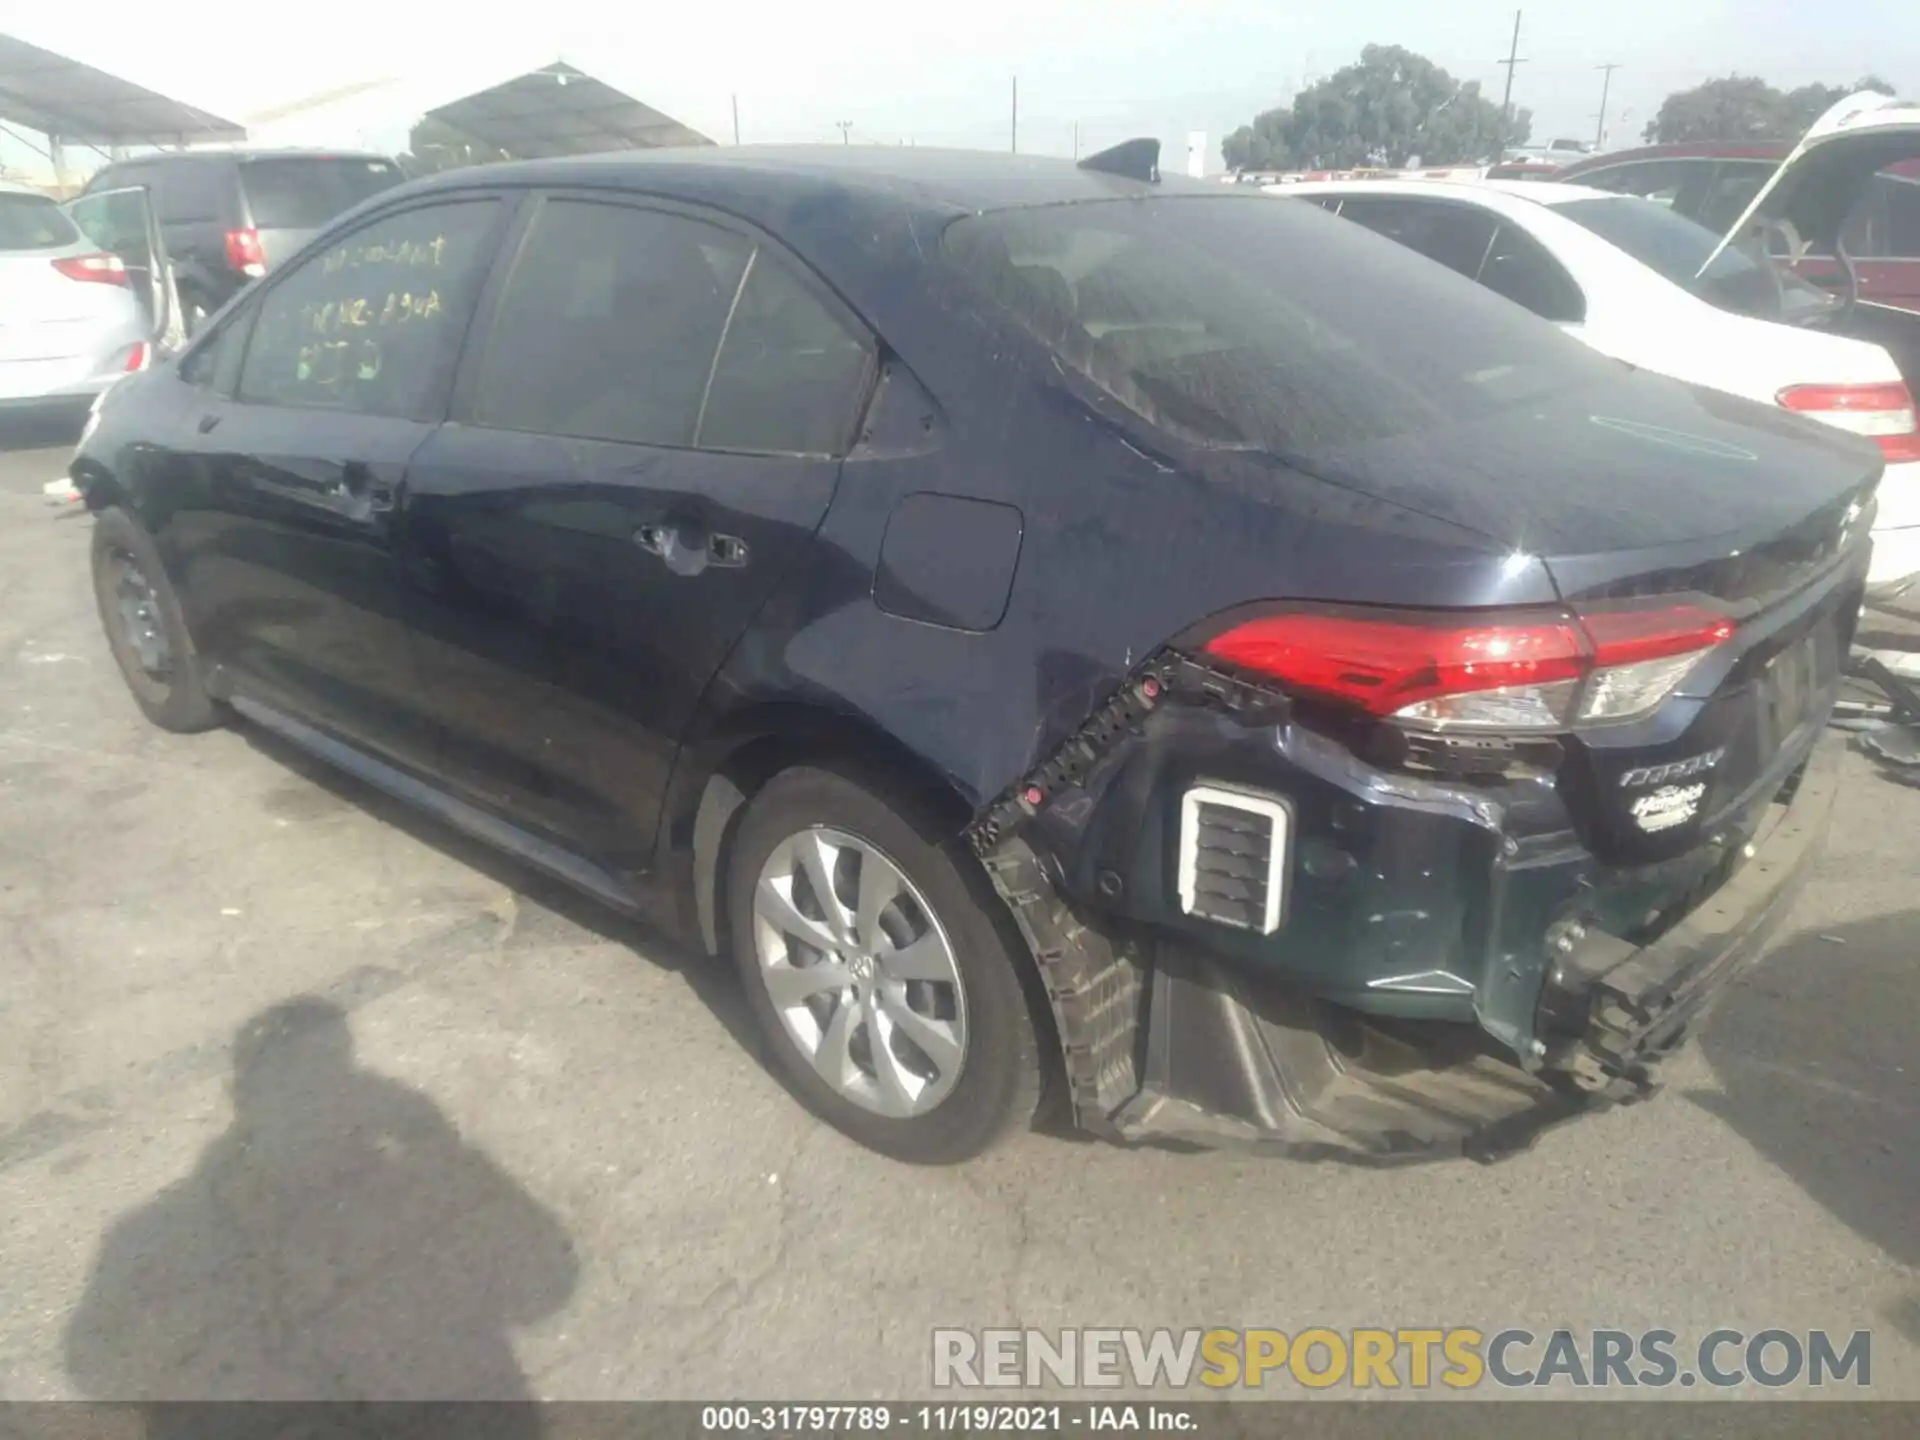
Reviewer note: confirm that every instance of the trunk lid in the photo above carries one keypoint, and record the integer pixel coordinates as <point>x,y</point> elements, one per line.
<point>1616,486</point>
<point>1809,197</point>
<point>1647,494</point>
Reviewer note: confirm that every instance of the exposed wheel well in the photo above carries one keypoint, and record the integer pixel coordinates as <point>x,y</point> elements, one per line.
<point>733,770</point>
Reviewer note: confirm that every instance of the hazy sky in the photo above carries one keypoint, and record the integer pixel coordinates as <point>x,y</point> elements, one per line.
<point>939,73</point>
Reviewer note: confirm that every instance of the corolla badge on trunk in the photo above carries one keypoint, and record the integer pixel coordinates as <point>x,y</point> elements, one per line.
<point>1673,770</point>
<point>1667,807</point>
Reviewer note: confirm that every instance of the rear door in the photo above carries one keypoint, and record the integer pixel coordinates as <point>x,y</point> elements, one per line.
<point>642,445</point>
<point>293,554</point>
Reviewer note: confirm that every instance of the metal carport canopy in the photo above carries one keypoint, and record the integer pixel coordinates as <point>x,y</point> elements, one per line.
<point>559,110</point>
<point>60,97</point>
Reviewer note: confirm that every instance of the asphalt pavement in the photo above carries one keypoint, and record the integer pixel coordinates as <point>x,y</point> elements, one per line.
<point>303,1096</point>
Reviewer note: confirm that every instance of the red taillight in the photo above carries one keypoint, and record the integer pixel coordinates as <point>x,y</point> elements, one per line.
<point>101,269</point>
<point>1500,670</point>
<point>137,357</point>
<point>1884,413</point>
<point>244,252</point>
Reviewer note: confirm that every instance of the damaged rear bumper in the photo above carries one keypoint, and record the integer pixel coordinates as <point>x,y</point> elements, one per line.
<point>1168,1037</point>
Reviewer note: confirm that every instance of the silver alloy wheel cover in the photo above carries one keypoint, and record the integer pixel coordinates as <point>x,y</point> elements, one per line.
<point>139,610</point>
<point>856,993</point>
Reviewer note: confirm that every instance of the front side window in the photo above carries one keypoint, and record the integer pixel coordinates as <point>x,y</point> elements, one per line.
<point>373,322</point>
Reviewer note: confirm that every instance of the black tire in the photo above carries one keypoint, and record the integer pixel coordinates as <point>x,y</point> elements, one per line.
<point>172,697</point>
<point>999,1081</point>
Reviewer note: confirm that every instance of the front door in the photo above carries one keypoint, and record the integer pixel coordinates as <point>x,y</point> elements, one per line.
<point>293,550</point>
<point>646,437</point>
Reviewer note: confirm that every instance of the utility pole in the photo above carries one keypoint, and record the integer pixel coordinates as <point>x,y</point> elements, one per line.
<point>1506,100</point>
<point>1606,83</point>
<point>1015,134</point>
<point>846,127</point>
<point>736,119</point>
<point>1076,139</point>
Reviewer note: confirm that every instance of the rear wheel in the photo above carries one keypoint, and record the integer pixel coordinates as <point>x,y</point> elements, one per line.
<point>877,972</point>
<point>145,627</point>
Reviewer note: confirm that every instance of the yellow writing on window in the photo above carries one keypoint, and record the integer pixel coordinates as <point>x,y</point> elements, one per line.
<point>393,252</point>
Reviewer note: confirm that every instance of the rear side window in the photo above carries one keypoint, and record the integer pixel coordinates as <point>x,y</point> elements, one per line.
<point>1519,267</point>
<point>190,191</point>
<point>1455,235</point>
<point>1244,323</point>
<point>304,192</point>
<point>609,324</point>
<point>373,323</point>
<point>790,374</point>
<point>33,222</point>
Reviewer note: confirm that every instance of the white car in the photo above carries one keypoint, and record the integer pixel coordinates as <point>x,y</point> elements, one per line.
<point>1624,275</point>
<point>71,322</point>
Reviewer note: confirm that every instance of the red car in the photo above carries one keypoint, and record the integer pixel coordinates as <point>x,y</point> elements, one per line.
<point>1714,183</point>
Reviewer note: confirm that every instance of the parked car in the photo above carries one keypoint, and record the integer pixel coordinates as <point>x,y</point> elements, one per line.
<point>1625,275</point>
<point>1714,183</point>
<point>1036,619</point>
<point>229,216</point>
<point>70,324</point>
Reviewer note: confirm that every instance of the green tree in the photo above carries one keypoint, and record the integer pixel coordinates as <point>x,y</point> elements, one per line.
<point>1745,107</point>
<point>1390,106</point>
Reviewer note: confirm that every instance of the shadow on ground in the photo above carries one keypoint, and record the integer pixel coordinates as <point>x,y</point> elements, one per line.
<point>340,1241</point>
<point>712,980</point>
<point>1814,1050</point>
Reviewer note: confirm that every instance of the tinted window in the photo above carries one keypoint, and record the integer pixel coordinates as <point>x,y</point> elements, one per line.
<point>116,220</point>
<point>1455,235</point>
<point>1245,323</point>
<point>790,374</point>
<point>1657,180</point>
<point>609,323</point>
<point>1902,200</point>
<point>304,192</point>
<point>190,190</point>
<point>1520,268</point>
<point>33,222</point>
<point>1676,248</point>
<point>373,322</point>
<point>1734,185</point>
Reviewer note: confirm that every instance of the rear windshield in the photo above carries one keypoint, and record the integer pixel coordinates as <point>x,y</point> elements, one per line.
<point>33,222</point>
<point>304,192</point>
<point>1258,323</point>
<point>1677,247</point>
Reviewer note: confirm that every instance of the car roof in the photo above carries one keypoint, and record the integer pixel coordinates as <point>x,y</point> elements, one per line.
<point>247,152</point>
<point>7,187</point>
<point>1540,192</point>
<point>1685,150</point>
<point>955,181</point>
